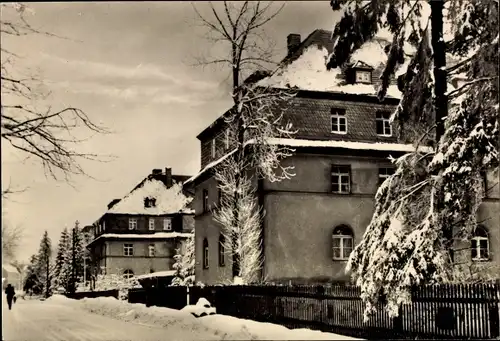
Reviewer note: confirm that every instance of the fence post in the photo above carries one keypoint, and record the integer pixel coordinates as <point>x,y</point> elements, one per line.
<point>397,322</point>
<point>495,311</point>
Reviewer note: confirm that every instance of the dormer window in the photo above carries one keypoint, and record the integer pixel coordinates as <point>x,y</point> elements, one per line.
<point>149,202</point>
<point>339,121</point>
<point>363,76</point>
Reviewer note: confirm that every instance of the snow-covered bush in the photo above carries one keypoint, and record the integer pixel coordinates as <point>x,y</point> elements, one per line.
<point>184,262</point>
<point>116,282</point>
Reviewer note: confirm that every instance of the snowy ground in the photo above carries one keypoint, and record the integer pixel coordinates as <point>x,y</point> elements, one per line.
<point>109,319</point>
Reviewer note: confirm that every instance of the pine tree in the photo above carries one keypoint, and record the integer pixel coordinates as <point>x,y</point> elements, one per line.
<point>43,265</point>
<point>184,262</point>
<point>32,279</point>
<point>433,197</point>
<point>74,259</point>
<point>62,249</point>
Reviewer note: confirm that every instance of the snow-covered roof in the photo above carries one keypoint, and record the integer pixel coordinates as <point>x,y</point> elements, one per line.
<point>157,235</point>
<point>295,143</point>
<point>157,274</point>
<point>9,268</point>
<point>168,200</point>
<point>309,72</point>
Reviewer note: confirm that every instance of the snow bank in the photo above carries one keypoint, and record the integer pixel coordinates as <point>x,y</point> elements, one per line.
<point>157,235</point>
<point>168,200</point>
<point>182,325</point>
<point>157,274</point>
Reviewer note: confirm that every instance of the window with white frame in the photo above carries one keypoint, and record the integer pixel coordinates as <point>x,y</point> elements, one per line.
<point>167,224</point>
<point>339,121</point>
<point>128,249</point>
<point>384,127</point>
<point>213,147</point>
<point>341,179</point>
<point>132,223</point>
<point>127,274</point>
<point>151,250</point>
<point>363,76</point>
<point>151,224</point>
<point>480,244</point>
<point>343,241</point>
<point>104,225</point>
<point>205,253</point>
<point>384,173</point>
<point>226,138</point>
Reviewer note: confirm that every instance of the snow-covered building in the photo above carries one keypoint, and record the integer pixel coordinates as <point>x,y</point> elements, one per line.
<point>342,149</point>
<point>139,233</point>
<point>11,275</point>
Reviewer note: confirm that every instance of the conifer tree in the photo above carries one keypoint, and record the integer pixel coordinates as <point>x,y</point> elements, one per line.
<point>43,265</point>
<point>433,197</point>
<point>62,249</point>
<point>184,262</point>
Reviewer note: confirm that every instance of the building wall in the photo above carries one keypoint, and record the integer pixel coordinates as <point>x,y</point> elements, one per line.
<point>117,223</point>
<point>140,262</point>
<point>207,227</point>
<point>301,214</point>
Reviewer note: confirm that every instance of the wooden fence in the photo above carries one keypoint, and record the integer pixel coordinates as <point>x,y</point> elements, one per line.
<point>93,294</point>
<point>444,311</point>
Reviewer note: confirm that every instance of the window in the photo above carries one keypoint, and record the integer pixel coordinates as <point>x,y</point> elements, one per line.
<point>149,202</point>
<point>151,250</point>
<point>128,249</point>
<point>480,245</point>
<point>341,179</point>
<point>384,127</point>
<point>104,225</point>
<point>167,224</point>
<point>227,135</point>
<point>384,173</point>
<point>484,178</point>
<point>128,274</point>
<point>213,147</point>
<point>339,121</point>
<point>363,76</point>
<point>205,253</point>
<point>205,200</point>
<point>342,239</point>
<point>151,224</point>
<point>222,241</point>
<point>132,224</point>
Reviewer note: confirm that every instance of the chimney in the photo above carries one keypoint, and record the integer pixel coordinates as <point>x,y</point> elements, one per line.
<point>168,177</point>
<point>113,203</point>
<point>292,42</point>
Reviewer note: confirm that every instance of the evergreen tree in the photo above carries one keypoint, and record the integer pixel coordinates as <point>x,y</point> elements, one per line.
<point>32,280</point>
<point>433,197</point>
<point>43,263</point>
<point>184,262</point>
<point>62,249</point>
<point>73,270</point>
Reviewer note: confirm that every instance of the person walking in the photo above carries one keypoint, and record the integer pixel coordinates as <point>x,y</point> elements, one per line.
<point>9,291</point>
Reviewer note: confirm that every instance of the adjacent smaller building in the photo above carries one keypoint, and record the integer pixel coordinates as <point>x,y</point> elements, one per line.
<point>139,233</point>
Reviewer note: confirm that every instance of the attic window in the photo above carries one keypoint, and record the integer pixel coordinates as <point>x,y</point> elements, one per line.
<point>149,202</point>
<point>363,76</point>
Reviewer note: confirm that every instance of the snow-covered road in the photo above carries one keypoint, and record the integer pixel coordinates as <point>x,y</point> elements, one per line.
<point>47,320</point>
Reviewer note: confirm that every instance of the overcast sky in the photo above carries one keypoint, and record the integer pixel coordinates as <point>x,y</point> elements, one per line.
<point>129,67</point>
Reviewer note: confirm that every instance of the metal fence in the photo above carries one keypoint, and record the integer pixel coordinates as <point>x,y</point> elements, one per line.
<point>440,311</point>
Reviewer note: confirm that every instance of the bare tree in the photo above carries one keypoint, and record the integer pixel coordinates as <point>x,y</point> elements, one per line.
<point>11,238</point>
<point>255,118</point>
<point>43,133</point>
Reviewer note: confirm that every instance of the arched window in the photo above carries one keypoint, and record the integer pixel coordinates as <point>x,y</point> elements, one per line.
<point>222,241</point>
<point>128,274</point>
<point>480,244</point>
<point>342,239</point>
<point>205,253</point>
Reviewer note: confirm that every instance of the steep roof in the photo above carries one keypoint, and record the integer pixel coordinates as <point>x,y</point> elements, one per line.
<point>168,200</point>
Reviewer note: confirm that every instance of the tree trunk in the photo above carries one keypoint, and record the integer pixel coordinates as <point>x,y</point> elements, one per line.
<point>47,279</point>
<point>441,100</point>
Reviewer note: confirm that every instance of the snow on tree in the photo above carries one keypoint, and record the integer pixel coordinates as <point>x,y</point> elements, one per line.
<point>432,199</point>
<point>43,266</point>
<point>32,282</point>
<point>62,249</point>
<point>256,116</point>
<point>184,262</point>
<point>105,281</point>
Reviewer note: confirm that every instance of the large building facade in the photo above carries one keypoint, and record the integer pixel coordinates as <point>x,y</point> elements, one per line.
<point>342,149</point>
<point>139,234</point>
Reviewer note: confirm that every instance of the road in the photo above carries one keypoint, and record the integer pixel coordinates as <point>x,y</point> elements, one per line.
<point>45,320</point>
